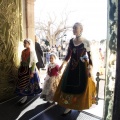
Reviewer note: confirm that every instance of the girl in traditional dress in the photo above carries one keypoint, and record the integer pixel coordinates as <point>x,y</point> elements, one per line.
<point>28,79</point>
<point>51,80</point>
<point>76,89</point>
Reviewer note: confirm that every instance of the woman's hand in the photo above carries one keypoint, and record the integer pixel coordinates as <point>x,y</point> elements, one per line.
<point>83,60</point>
<point>60,68</point>
<point>31,75</point>
<point>89,72</point>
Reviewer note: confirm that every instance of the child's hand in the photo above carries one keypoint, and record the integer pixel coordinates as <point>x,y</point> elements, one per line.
<point>61,67</point>
<point>47,77</point>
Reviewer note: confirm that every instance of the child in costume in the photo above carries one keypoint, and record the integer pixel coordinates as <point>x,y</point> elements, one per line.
<point>51,79</point>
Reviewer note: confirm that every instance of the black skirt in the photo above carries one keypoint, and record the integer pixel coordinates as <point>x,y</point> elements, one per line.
<point>74,81</point>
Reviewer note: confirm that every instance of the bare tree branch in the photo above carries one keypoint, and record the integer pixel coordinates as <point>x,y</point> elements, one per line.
<point>52,29</point>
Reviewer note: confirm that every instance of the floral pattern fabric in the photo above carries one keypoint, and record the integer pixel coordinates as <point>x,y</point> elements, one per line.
<point>51,82</point>
<point>50,87</point>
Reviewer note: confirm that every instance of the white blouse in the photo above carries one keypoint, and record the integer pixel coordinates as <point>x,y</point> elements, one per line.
<point>33,58</point>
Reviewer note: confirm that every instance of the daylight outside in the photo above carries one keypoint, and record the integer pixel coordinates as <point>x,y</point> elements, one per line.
<point>54,22</point>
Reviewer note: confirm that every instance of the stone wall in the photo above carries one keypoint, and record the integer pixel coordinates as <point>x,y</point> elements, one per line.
<point>10,36</point>
<point>30,31</point>
<point>116,107</point>
<point>111,52</point>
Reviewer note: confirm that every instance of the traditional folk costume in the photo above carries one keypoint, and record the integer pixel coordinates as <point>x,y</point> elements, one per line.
<point>51,82</point>
<point>76,89</point>
<point>25,85</point>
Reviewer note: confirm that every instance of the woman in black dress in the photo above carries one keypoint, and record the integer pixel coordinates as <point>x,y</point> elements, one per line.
<point>39,53</point>
<point>77,88</point>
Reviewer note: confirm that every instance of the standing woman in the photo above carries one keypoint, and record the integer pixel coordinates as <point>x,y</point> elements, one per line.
<point>28,79</point>
<point>39,53</point>
<point>76,89</point>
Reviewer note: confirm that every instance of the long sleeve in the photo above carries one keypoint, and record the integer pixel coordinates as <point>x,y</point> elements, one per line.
<point>33,60</point>
<point>33,67</point>
<point>90,60</point>
<point>88,49</point>
<point>69,52</point>
<point>89,54</point>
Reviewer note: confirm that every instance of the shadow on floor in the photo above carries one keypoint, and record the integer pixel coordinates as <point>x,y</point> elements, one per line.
<point>31,113</point>
<point>11,109</point>
<point>55,114</point>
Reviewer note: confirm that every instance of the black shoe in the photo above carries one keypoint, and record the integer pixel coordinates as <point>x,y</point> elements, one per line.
<point>51,102</point>
<point>44,99</point>
<point>65,114</point>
